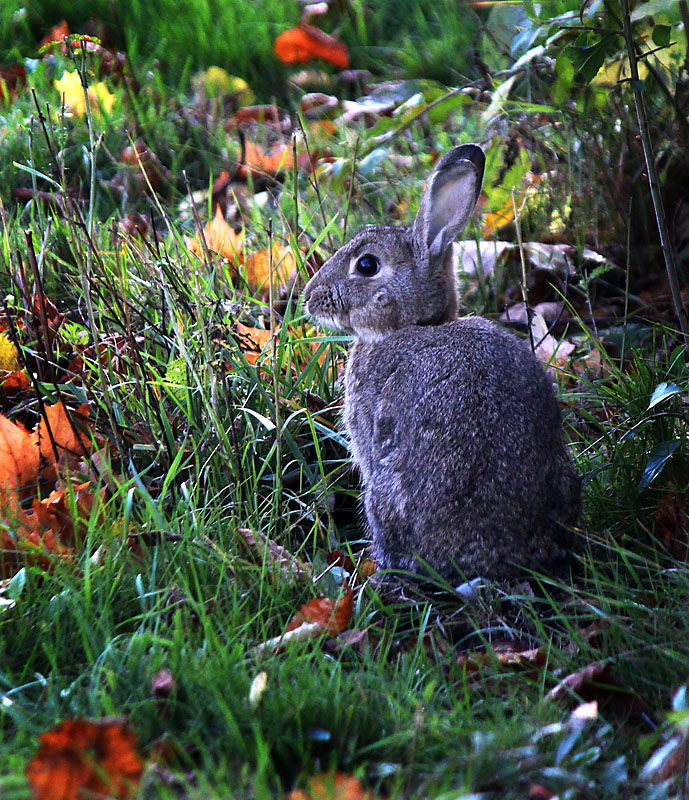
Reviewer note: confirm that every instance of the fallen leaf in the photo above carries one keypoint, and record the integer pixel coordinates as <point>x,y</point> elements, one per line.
<point>8,354</point>
<point>332,786</point>
<point>598,682</point>
<point>256,268</point>
<point>12,377</point>
<point>252,342</point>
<point>257,161</point>
<point>332,615</point>
<point>19,463</point>
<point>272,555</point>
<point>60,440</point>
<point>82,757</point>
<point>56,513</point>
<point>216,82</point>
<point>507,655</point>
<point>220,237</point>
<point>303,43</point>
<point>70,88</point>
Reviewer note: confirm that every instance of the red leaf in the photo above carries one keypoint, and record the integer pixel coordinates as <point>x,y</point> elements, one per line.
<point>304,43</point>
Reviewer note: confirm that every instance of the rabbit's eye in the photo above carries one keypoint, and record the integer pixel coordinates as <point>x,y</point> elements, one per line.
<point>367,265</point>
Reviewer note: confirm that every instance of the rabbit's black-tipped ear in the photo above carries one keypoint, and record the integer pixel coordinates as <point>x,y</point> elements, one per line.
<point>449,199</point>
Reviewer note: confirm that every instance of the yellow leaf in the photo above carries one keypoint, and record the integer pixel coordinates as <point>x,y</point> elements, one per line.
<point>8,355</point>
<point>69,87</point>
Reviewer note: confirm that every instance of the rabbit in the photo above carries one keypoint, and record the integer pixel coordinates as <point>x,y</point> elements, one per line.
<point>453,423</point>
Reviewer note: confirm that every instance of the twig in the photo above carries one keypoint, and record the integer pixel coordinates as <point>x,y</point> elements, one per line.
<point>276,382</point>
<point>654,183</point>
<point>520,245</point>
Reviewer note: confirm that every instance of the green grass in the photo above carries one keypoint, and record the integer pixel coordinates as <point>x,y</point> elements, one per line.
<point>161,579</point>
<point>410,38</point>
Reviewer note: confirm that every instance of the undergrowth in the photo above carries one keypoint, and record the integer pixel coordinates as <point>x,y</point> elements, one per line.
<point>202,434</point>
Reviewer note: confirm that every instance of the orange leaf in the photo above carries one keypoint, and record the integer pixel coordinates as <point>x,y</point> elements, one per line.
<point>19,461</point>
<point>259,162</point>
<point>220,237</point>
<point>252,341</point>
<point>14,381</point>
<point>82,757</point>
<point>304,43</point>
<point>331,615</point>
<point>56,34</point>
<point>336,786</point>
<point>67,440</point>
<point>55,512</point>
<point>257,268</point>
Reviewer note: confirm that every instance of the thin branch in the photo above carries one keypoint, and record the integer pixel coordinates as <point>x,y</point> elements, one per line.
<point>653,180</point>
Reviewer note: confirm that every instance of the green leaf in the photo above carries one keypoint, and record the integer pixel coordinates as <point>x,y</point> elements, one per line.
<point>564,69</point>
<point>661,35</point>
<point>594,58</point>
<point>16,585</point>
<point>653,7</point>
<point>662,391</point>
<point>658,458</point>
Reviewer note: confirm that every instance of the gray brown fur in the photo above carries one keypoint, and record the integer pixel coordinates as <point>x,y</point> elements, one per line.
<point>454,425</point>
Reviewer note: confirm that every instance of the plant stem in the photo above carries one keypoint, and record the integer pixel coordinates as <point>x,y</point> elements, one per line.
<point>276,383</point>
<point>653,180</point>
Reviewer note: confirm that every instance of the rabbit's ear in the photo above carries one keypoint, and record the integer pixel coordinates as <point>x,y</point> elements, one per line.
<point>449,199</point>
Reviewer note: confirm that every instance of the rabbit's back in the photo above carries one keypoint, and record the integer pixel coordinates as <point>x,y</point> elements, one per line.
<point>456,430</point>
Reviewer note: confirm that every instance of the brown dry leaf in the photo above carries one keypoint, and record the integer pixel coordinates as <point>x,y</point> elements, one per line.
<point>220,237</point>
<point>303,43</point>
<point>332,615</point>
<point>672,524</point>
<point>82,757</point>
<point>598,682</point>
<point>257,268</point>
<point>332,786</point>
<point>507,655</point>
<point>273,555</point>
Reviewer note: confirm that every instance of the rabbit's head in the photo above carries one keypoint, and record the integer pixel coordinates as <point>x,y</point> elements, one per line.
<point>388,277</point>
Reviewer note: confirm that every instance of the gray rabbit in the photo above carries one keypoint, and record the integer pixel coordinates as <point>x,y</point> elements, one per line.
<point>453,423</point>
